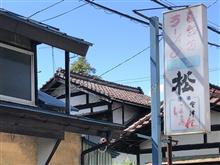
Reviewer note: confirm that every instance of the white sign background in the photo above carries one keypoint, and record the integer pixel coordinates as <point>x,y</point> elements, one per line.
<point>187,107</point>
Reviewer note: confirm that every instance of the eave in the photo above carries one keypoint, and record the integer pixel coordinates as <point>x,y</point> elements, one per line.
<point>38,122</point>
<point>42,33</point>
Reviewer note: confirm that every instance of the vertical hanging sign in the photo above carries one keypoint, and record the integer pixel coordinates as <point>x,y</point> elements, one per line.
<point>187,108</point>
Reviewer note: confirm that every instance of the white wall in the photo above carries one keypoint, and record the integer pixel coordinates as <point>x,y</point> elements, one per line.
<point>81,100</point>
<point>93,98</point>
<point>129,112</point>
<point>117,114</point>
<point>100,108</point>
<point>78,100</point>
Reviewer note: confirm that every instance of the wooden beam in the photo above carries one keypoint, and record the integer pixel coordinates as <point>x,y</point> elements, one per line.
<point>205,138</point>
<point>53,151</point>
<point>87,98</point>
<point>55,121</point>
<point>138,159</point>
<point>35,75</point>
<point>123,113</point>
<point>215,127</point>
<point>91,105</point>
<point>24,130</point>
<point>67,82</point>
<point>14,124</point>
<point>72,95</point>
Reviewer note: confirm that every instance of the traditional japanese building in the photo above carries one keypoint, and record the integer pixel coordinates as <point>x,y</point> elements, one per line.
<point>35,127</point>
<point>102,100</point>
<point>194,149</point>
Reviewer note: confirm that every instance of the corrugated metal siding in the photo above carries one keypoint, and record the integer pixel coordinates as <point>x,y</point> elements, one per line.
<point>96,157</point>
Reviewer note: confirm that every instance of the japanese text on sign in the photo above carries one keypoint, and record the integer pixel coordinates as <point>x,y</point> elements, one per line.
<point>186,71</point>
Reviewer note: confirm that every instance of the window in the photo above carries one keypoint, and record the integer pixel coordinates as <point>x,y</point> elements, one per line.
<point>16,75</point>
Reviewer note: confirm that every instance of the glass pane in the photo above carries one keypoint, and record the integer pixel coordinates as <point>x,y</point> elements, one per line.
<point>15,74</point>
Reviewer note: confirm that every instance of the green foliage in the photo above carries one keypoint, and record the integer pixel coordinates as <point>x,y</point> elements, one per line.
<point>82,66</point>
<point>128,162</point>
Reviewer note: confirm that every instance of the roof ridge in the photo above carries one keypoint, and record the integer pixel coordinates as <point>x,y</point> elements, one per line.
<point>214,86</point>
<point>102,82</point>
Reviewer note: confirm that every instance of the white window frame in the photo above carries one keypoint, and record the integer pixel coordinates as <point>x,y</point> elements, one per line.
<point>19,100</point>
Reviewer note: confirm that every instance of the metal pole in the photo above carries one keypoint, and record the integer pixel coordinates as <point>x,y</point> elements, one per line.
<point>155,91</point>
<point>67,81</point>
<point>138,159</point>
<point>169,151</point>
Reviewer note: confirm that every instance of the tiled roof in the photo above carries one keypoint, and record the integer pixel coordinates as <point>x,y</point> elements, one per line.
<point>214,94</point>
<point>214,101</point>
<point>107,89</point>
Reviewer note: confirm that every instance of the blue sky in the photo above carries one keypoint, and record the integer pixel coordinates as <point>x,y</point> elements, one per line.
<point>115,38</point>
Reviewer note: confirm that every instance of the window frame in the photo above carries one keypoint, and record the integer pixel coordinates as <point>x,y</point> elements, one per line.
<point>19,100</point>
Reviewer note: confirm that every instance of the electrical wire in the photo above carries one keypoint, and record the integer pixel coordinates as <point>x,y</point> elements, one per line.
<point>93,4</point>
<point>135,80</point>
<point>64,13</point>
<point>167,2</point>
<point>45,9</point>
<point>126,60</point>
<point>120,64</point>
<point>131,18</point>
<point>213,29</point>
<point>123,62</point>
<point>111,69</point>
<point>214,24</point>
<point>161,77</point>
<point>210,5</point>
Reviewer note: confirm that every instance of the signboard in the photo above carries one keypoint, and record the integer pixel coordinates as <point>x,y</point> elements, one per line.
<point>187,107</point>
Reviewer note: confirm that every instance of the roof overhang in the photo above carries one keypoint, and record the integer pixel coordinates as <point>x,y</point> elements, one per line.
<point>27,120</point>
<point>42,33</point>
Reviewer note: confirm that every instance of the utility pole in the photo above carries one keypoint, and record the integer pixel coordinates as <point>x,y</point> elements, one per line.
<point>155,91</point>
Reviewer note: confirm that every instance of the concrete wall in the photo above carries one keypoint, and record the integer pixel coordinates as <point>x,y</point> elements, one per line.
<point>23,150</point>
<point>69,151</point>
<point>17,149</point>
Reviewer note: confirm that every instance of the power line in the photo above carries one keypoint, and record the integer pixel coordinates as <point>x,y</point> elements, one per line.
<point>111,69</point>
<point>170,8</point>
<point>135,80</point>
<point>45,9</point>
<point>128,59</point>
<point>212,3</point>
<point>161,77</point>
<point>168,2</point>
<point>214,44</point>
<point>132,18</point>
<point>117,12</point>
<point>158,8</point>
<point>64,13</point>
<point>214,24</point>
